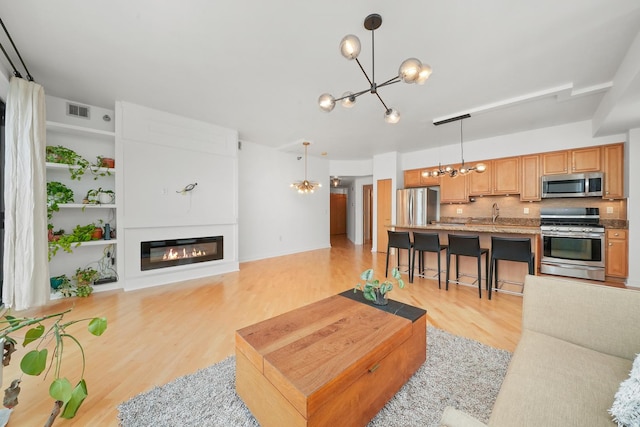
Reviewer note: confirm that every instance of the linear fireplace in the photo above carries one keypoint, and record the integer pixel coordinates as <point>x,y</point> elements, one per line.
<point>169,253</point>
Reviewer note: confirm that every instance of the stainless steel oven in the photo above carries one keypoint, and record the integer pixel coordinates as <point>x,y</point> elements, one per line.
<point>573,243</point>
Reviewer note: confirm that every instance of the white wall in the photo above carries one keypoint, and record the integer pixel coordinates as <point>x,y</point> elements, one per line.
<point>562,137</point>
<point>274,219</point>
<point>633,205</point>
<point>159,154</point>
<point>385,166</point>
<point>355,209</point>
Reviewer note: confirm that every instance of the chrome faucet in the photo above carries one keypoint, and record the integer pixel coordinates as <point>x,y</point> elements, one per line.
<point>495,212</point>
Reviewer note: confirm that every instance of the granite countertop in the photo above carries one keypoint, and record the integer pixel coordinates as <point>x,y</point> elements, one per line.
<point>476,227</point>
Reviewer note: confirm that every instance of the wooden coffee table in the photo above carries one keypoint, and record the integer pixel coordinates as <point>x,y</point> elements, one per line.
<point>331,363</point>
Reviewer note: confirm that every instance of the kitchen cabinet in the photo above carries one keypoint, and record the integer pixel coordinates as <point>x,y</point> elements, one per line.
<point>500,178</point>
<point>428,180</point>
<point>99,254</point>
<point>531,186</point>
<point>454,190</point>
<point>617,253</point>
<point>571,161</point>
<point>613,168</point>
<point>412,178</point>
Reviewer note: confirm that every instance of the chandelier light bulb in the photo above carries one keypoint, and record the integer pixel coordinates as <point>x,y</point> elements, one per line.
<point>481,167</point>
<point>327,102</point>
<point>350,46</point>
<point>410,70</point>
<point>348,100</point>
<point>423,75</point>
<point>392,116</point>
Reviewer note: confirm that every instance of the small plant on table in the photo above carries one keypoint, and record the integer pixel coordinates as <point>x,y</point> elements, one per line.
<point>376,291</point>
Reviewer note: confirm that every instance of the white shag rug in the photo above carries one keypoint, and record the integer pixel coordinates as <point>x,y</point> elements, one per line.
<point>459,372</point>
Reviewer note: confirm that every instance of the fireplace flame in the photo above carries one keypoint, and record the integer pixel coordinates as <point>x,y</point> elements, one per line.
<point>171,253</point>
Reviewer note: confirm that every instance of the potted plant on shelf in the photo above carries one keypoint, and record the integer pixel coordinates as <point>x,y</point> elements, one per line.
<point>84,279</point>
<point>67,398</point>
<point>100,167</point>
<point>57,193</point>
<point>376,291</point>
<point>59,154</point>
<point>81,233</point>
<point>99,196</point>
<point>106,162</point>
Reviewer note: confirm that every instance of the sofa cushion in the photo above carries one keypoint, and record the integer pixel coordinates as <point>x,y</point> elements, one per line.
<point>551,382</point>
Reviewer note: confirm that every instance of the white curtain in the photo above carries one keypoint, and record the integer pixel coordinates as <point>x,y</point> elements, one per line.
<point>26,269</point>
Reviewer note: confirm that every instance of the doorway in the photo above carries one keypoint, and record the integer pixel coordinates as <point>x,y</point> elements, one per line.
<point>337,213</point>
<point>367,214</point>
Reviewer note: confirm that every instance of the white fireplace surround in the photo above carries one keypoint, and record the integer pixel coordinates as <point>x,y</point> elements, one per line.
<point>160,154</point>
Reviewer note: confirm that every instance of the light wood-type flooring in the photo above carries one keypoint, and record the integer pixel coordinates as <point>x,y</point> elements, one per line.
<point>158,334</point>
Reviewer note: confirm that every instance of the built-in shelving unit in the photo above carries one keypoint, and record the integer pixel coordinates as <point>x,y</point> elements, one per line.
<point>100,254</point>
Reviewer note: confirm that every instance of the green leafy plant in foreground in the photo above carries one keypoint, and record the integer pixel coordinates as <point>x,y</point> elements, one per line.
<point>67,397</point>
<point>372,286</point>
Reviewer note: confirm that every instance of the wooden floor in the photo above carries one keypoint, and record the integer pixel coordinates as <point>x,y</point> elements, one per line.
<point>158,334</point>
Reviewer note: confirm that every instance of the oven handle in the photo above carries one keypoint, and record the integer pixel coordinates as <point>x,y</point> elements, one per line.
<point>572,234</point>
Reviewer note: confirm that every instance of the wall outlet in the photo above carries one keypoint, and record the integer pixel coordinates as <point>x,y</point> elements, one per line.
<point>459,210</point>
<point>609,209</point>
<point>526,211</point>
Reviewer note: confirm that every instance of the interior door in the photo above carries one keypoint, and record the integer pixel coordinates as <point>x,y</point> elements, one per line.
<point>383,210</point>
<point>367,213</point>
<point>338,213</point>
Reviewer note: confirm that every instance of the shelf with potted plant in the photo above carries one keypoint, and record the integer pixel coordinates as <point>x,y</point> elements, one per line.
<point>83,159</point>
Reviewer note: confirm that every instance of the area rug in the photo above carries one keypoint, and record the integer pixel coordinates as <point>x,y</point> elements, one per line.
<point>459,372</point>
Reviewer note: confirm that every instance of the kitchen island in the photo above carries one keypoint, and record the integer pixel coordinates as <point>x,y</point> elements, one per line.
<point>509,270</point>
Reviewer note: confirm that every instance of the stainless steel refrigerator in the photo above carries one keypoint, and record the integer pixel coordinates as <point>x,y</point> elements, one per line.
<point>416,206</point>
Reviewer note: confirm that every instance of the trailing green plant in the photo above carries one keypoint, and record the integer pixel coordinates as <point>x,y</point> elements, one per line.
<point>77,164</point>
<point>84,278</point>
<point>372,286</point>
<point>67,397</point>
<point>98,168</point>
<point>57,193</point>
<point>81,233</point>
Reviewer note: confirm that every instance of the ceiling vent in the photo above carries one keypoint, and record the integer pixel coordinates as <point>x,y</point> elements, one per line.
<point>77,110</point>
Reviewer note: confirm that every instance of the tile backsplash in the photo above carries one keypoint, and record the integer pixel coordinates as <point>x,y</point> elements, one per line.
<point>512,208</point>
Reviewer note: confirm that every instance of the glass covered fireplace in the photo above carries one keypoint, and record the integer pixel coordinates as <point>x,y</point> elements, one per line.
<point>169,253</point>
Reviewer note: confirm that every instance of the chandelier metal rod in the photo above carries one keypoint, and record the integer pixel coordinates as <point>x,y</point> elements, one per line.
<point>371,83</point>
<point>373,60</point>
<point>392,80</point>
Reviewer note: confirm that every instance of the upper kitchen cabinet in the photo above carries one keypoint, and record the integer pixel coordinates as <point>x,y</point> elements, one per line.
<point>454,190</point>
<point>412,178</point>
<point>571,161</point>
<point>500,178</point>
<point>613,169</point>
<point>428,180</point>
<point>530,186</point>
<point>420,178</point>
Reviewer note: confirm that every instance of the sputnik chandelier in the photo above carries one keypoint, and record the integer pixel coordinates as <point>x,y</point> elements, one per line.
<point>451,171</point>
<point>411,71</point>
<point>305,186</point>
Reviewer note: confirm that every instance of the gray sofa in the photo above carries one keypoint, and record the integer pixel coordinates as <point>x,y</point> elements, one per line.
<point>578,344</point>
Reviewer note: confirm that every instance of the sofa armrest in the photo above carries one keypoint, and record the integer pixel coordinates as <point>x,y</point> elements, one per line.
<point>598,317</point>
<point>451,417</point>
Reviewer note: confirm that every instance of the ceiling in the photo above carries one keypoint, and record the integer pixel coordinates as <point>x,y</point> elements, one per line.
<point>259,66</point>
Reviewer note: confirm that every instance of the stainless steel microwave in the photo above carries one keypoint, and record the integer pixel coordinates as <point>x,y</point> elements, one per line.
<point>572,185</point>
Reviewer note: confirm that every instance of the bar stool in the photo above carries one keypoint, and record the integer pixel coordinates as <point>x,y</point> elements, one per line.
<point>399,240</point>
<point>509,249</point>
<point>462,245</point>
<point>426,242</point>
